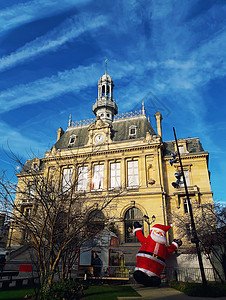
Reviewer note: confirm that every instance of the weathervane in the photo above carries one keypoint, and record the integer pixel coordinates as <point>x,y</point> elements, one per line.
<point>106,61</point>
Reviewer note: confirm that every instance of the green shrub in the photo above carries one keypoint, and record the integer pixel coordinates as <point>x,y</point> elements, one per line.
<point>198,290</point>
<point>62,290</point>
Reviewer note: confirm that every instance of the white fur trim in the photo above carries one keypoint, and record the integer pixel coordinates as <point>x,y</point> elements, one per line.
<point>151,257</point>
<point>156,228</point>
<point>149,273</point>
<point>171,225</point>
<point>175,244</point>
<point>136,229</point>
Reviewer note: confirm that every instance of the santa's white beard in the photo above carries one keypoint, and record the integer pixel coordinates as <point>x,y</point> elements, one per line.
<point>158,239</point>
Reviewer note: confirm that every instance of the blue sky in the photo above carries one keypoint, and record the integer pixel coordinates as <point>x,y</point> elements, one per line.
<point>169,54</point>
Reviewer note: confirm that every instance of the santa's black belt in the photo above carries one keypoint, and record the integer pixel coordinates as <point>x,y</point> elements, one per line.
<point>153,255</point>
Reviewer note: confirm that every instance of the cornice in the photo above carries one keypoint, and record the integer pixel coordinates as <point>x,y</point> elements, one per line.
<point>100,153</point>
<point>189,156</point>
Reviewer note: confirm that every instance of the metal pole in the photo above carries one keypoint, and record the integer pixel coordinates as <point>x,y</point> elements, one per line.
<point>194,232</point>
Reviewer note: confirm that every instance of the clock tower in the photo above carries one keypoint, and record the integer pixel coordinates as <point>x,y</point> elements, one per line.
<point>105,107</point>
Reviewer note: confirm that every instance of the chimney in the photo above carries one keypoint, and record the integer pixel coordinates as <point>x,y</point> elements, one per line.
<point>60,132</point>
<point>158,117</point>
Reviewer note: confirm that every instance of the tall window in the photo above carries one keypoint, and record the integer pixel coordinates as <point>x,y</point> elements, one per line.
<point>66,180</point>
<point>82,178</point>
<point>115,175</point>
<point>186,175</point>
<point>133,174</point>
<point>186,207</point>
<point>132,215</point>
<point>27,213</point>
<point>98,177</point>
<point>31,192</point>
<point>188,230</point>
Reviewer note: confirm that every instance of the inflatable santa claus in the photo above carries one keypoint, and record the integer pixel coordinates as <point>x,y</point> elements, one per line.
<point>152,254</point>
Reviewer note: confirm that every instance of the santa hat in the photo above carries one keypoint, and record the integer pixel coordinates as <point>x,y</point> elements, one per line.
<point>162,228</point>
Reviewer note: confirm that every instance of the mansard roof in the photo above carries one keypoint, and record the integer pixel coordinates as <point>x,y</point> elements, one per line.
<point>120,132</point>
<point>193,146</point>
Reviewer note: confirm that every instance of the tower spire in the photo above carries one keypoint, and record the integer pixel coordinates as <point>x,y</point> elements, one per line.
<point>105,107</point>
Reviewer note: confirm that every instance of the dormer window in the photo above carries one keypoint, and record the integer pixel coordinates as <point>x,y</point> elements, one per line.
<point>132,131</point>
<point>36,165</point>
<point>72,140</point>
<point>182,145</point>
<point>181,149</point>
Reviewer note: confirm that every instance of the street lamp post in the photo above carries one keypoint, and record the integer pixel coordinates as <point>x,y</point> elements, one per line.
<point>194,232</point>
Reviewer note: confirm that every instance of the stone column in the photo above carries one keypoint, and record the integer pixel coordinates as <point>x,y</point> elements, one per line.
<point>123,172</point>
<point>106,174</point>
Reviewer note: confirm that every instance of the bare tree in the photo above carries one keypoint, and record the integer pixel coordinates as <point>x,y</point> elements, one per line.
<point>210,220</point>
<point>51,217</point>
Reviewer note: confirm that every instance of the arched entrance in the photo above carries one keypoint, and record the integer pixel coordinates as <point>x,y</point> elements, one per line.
<point>132,215</point>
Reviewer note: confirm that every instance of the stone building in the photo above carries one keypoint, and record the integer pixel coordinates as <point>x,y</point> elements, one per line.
<point>123,151</point>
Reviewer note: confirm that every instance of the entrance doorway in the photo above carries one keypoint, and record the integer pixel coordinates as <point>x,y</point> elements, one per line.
<point>132,215</point>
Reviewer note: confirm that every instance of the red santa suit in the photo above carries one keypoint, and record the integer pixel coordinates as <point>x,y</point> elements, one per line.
<point>153,252</point>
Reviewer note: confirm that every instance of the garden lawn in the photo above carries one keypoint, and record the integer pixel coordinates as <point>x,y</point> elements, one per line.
<point>15,294</point>
<point>198,290</point>
<point>110,292</point>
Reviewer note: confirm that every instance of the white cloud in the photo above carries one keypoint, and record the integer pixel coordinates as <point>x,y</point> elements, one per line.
<point>26,12</point>
<point>18,142</point>
<point>67,31</point>
<point>72,80</point>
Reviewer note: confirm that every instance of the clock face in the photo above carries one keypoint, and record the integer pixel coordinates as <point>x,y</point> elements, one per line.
<point>99,138</point>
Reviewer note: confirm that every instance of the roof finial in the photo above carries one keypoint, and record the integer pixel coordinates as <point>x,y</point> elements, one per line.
<point>143,109</point>
<point>106,61</point>
<point>69,123</point>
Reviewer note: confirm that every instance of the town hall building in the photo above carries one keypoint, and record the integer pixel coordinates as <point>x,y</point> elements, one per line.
<point>122,152</point>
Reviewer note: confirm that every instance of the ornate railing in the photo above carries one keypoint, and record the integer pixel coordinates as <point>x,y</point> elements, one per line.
<point>128,115</point>
<point>122,116</point>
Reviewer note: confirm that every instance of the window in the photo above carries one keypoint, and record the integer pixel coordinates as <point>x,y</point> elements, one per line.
<point>115,175</point>
<point>188,230</point>
<point>35,167</point>
<point>132,131</point>
<point>72,140</point>
<point>31,191</point>
<point>66,180</point>
<point>133,175</point>
<point>186,207</point>
<point>132,215</point>
<point>186,175</point>
<point>27,213</point>
<point>82,178</point>
<point>98,177</point>
<point>181,149</point>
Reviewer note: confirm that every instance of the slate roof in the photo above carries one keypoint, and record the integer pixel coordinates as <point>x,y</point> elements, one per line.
<point>28,167</point>
<point>193,146</point>
<point>120,132</point>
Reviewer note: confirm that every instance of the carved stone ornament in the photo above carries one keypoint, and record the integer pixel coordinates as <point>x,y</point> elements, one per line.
<point>151,181</point>
<point>149,137</point>
<point>98,124</point>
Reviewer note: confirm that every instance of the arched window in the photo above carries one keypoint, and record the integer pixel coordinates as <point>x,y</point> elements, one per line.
<point>132,215</point>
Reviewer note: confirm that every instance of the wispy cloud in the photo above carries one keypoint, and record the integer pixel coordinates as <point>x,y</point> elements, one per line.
<point>26,12</point>
<point>18,142</point>
<point>67,31</point>
<point>72,80</point>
